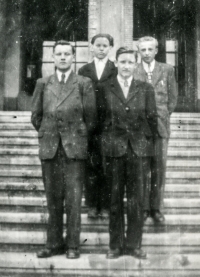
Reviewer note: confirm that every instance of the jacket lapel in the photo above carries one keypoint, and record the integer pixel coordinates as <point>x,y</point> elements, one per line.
<point>54,85</point>
<point>157,72</point>
<point>108,70</point>
<point>133,90</point>
<point>67,88</point>
<point>91,72</point>
<point>139,73</point>
<point>116,89</point>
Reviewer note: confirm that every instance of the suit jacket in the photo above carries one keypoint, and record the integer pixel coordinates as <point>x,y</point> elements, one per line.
<point>89,70</point>
<point>65,112</point>
<point>164,84</point>
<point>132,120</point>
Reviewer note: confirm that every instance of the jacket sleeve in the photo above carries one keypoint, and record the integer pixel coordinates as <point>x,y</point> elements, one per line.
<point>172,90</point>
<point>151,111</point>
<point>37,105</point>
<point>89,104</point>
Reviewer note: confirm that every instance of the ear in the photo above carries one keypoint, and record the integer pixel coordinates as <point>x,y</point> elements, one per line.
<point>156,51</point>
<point>116,63</point>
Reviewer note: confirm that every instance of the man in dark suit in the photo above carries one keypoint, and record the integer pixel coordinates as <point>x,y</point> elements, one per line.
<point>161,77</point>
<point>100,70</point>
<point>63,113</point>
<point>128,121</point>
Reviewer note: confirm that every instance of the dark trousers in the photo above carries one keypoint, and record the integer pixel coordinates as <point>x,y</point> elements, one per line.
<point>155,168</point>
<point>125,171</point>
<point>96,187</point>
<point>63,180</point>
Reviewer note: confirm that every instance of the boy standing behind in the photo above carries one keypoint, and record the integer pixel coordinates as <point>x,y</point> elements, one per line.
<point>99,70</point>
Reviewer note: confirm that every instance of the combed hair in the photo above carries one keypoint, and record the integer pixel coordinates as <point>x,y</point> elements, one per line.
<point>64,42</point>
<point>147,38</point>
<point>109,38</point>
<point>125,50</point>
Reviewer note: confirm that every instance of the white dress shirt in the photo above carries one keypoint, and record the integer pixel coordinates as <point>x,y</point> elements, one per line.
<point>125,84</point>
<point>100,65</point>
<point>149,67</point>
<point>59,74</point>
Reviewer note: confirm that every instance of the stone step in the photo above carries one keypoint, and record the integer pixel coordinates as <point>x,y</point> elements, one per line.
<point>34,160</point>
<point>34,151</point>
<point>16,126</point>
<point>15,141</point>
<point>185,115</point>
<point>24,124</point>
<point>96,265</point>
<point>12,200</point>
<point>19,141</point>
<point>10,172</point>
<point>21,133</point>
<point>175,242</point>
<point>186,128</point>
<point>33,134</point>
<point>38,221</point>
<point>31,186</point>
<point>185,135</point>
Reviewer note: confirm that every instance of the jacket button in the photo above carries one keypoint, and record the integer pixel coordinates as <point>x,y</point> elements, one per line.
<point>127,109</point>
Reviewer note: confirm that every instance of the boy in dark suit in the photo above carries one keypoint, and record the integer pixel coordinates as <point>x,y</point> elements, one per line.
<point>161,77</point>
<point>100,70</point>
<point>64,114</point>
<point>128,122</point>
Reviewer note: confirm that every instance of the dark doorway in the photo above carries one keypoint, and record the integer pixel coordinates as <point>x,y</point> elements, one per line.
<point>48,20</point>
<point>172,22</point>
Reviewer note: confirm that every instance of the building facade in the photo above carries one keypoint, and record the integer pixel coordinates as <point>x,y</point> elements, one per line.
<point>27,29</point>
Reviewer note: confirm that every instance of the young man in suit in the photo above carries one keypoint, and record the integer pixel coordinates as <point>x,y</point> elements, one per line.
<point>64,114</point>
<point>161,77</point>
<point>100,70</point>
<point>128,122</point>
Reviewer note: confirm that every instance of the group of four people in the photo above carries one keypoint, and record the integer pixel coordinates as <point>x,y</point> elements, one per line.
<point>106,129</point>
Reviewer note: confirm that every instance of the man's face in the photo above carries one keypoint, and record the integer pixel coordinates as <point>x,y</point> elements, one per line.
<point>101,48</point>
<point>125,64</point>
<point>147,51</point>
<point>63,57</point>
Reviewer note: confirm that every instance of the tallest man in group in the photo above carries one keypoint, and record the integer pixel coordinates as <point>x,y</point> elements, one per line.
<point>161,77</point>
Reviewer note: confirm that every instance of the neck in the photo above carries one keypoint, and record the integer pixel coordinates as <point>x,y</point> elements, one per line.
<point>64,70</point>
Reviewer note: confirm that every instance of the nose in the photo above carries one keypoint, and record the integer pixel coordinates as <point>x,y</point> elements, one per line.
<point>62,56</point>
<point>101,48</point>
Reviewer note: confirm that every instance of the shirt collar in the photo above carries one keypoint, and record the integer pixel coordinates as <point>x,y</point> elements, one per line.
<point>96,60</point>
<point>59,74</point>
<point>147,66</point>
<point>122,80</point>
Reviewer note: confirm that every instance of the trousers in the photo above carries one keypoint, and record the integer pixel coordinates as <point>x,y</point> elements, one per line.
<point>155,168</point>
<point>63,181</point>
<point>125,172</point>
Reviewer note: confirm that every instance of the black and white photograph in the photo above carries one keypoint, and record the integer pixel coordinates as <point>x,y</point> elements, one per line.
<point>100,138</point>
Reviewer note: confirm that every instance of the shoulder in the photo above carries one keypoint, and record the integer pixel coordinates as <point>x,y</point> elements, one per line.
<point>44,80</point>
<point>166,66</point>
<point>84,67</point>
<point>82,79</point>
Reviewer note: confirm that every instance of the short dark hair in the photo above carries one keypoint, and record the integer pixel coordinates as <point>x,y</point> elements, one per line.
<point>125,50</point>
<point>109,38</point>
<point>64,42</point>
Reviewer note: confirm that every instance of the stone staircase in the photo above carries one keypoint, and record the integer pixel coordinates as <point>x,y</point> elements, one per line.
<point>173,249</point>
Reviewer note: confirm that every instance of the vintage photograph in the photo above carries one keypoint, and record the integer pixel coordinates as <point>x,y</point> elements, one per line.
<point>100,138</point>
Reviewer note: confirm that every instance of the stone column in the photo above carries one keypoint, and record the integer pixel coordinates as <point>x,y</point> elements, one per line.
<point>12,62</point>
<point>198,56</point>
<point>114,17</point>
<point>2,49</point>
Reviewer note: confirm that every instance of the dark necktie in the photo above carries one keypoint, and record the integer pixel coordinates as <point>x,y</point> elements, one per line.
<point>62,79</point>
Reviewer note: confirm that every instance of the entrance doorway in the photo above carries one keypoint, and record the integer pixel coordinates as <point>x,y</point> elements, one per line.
<point>173,23</point>
<point>48,20</point>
